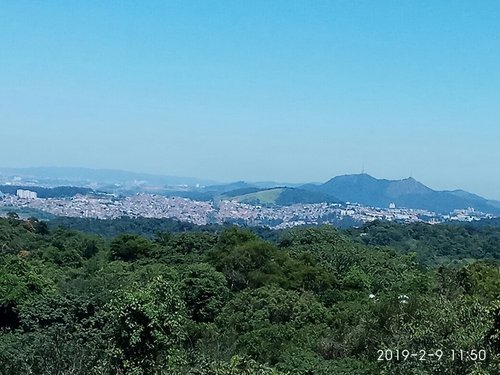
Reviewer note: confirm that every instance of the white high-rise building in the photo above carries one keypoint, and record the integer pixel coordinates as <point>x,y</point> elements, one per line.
<point>26,194</point>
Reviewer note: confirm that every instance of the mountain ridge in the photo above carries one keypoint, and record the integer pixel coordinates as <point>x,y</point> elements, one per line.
<point>280,196</point>
<point>356,188</point>
<point>99,175</point>
<point>410,193</point>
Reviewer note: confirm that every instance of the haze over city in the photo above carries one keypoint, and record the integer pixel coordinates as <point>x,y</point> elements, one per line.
<point>287,91</point>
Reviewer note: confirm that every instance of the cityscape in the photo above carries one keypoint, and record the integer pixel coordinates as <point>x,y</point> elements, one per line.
<point>109,206</point>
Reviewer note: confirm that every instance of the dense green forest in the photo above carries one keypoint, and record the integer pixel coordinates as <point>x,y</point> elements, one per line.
<point>231,301</point>
<point>435,244</point>
<point>146,227</point>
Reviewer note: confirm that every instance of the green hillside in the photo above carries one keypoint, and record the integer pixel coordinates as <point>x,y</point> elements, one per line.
<point>282,196</point>
<point>264,197</point>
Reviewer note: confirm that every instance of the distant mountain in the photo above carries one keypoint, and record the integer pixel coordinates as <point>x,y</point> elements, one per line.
<point>465,194</point>
<point>474,197</point>
<point>291,196</point>
<point>242,191</point>
<point>281,196</point>
<point>223,188</point>
<point>97,177</point>
<point>234,187</point>
<point>494,203</point>
<point>42,192</point>
<point>274,184</point>
<point>214,192</point>
<point>357,188</point>
<point>367,190</point>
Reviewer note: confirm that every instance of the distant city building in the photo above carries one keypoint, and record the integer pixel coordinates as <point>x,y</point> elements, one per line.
<point>226,211</point>
<point>26,194</point>
<point>392,206</point>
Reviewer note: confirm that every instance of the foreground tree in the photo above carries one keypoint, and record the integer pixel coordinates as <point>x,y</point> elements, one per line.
<point>147,327</point>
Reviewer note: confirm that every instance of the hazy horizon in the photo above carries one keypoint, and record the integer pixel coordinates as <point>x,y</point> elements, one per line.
<point>285,91</point>
<point>285,183</point>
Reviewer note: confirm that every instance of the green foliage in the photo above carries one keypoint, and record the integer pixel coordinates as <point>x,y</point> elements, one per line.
<point>147,227</point>
<point>433,243</point>
<point>316,301</point>
<point>205,291</point>
<point>129,247</point>
<point>269,320</point>
<point>22,280</point>
<point>147,327</point>
<point>248,261</point>
<point>237,365</point>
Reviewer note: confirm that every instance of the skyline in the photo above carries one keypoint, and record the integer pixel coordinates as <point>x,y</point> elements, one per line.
<point>233,91</point>
<point>58,173</point>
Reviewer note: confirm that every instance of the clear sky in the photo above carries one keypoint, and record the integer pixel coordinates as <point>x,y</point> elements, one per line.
<point>292,91</point>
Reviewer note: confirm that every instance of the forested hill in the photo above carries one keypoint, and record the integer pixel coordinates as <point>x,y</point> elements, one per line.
<point>434,244</point>
<point>485,223</point>
<point>43,192</point>
<point>230,303</point>
<point>280,196</point>
<point>147,227</point>
<point>371,191</point>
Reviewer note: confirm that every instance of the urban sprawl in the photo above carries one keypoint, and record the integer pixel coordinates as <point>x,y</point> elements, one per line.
<point>224,211</point>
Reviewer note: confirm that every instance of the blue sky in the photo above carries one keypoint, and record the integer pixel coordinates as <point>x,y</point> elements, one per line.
<point>285,90</point>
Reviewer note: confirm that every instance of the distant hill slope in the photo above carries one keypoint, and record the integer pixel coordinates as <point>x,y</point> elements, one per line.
<point>474,197</point>
<point>212,192</point>
<point>283,196</point>
<point>242,191</point>
<point>42,192</point>
<point>79,176</point>
<point>223,188</point>
<point>370,191</point>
